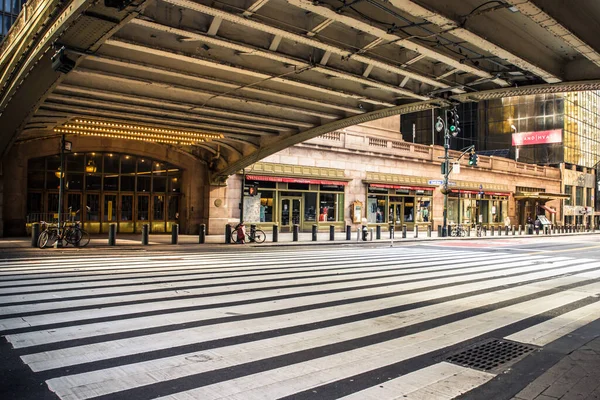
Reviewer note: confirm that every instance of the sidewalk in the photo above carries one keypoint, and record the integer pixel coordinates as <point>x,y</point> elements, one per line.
<point>134,240</point>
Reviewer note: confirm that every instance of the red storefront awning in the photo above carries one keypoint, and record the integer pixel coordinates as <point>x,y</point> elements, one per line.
<point>388,186</point>
<point>551,211</point>
<point>294,180</point>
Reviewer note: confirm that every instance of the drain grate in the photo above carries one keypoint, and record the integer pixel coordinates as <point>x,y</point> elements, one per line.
<point>490,355</point>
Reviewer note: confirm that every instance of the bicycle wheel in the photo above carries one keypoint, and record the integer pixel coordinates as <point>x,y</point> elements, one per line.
<point>72,236</point>
<point>84,238</point>
<point>453,232</point>
<point>463,232</point>
<point>234,235</point>
<point>43,239</point>
<point>259,236</point>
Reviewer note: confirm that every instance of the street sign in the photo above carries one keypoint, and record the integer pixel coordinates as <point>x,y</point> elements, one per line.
<point>440,182</point>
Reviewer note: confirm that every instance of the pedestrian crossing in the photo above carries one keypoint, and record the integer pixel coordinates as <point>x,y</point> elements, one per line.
<point>352,323</point>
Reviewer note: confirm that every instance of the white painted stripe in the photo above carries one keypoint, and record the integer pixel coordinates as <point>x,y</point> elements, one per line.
<point>130,346</point>
<point>555,328</point>
<point>319,267</point>
<point>173,295</point>
<point>300,376</point>
<point>95,329</point>
<point>443,381</point>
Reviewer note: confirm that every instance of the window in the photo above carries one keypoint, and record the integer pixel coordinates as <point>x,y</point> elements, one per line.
<point>328,207</point>
<point>266,206</point>
<point>173,211</point>
<point>376,206</point>
<point>569,191</point>
<point>579,196</point>
<point>158,208</point>
<point>310,207</point>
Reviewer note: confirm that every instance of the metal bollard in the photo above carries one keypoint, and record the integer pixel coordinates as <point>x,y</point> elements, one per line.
<point>492,230</point>
<point>252,232</point>
<point>428,230</point>
<point>391,231</point>
<point>145,234</point>
<point>295,231</point>
<point>499,231</point>
<point>514,232</point>
<point>348,232</point>
<point>112,234</point>
<point>416,231</point>
<point>314,232</point>
<point>506,228</point>
<point>484,229</point>
<point>35,234</point>
<point>378,232</point>
<point>174,233</point>
<point>403,231</point>
<point>370,233</point>
<point>520,229</point>
<point>202,234</point>
<point>439,231</point>
<point>275,233</point>
<point>331,233</point>
<point>228,230</point>
<point>537,231</point>
<point>468,231</point>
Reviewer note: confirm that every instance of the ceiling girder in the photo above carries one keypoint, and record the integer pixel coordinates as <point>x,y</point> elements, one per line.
<point>454,28</point>
<point>304,40</point>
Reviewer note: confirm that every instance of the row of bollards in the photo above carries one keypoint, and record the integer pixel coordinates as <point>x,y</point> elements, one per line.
<point>362,233</point>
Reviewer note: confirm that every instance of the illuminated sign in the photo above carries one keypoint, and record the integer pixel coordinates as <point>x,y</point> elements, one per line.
<point>540,137</point>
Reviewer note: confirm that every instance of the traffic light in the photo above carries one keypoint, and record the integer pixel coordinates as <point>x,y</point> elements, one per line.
<point>60,61</point>
<point>453,122</point>
<point>253,190</point>
<point>473,158</point>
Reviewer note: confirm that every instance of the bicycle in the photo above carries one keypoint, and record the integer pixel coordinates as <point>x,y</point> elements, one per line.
<point>255,235</point>
<point>479,231</point>
<point>458,230</point>
<point>72,234</point>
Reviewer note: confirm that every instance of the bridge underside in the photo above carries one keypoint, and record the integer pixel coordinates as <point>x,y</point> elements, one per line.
<point>234,81</point>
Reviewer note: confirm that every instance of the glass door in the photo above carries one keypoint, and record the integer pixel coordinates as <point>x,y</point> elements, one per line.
<point>290,213</point>
<point>126,217</point>
<point>142,211</point>
<point>396,215</point>
<point>109,213</point>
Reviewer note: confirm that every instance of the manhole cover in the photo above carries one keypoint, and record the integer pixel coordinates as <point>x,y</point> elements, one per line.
<point>490,355</point>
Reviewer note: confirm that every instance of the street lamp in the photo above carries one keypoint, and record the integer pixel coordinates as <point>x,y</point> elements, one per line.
<point>514,128</point>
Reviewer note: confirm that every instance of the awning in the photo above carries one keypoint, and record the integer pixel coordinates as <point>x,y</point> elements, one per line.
<point>551,211</point>
<point>268,178</point>
<point>388,186</point>
<point>541,196</point>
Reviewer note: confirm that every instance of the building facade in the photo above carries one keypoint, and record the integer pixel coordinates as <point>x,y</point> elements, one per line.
<point>320,182</point>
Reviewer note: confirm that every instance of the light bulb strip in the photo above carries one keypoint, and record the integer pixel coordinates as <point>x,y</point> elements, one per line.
<point>124,132</point>
<point>148,129</point>
<point>125,136</point>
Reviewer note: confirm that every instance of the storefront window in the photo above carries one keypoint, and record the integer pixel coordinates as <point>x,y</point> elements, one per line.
<point>93,207</point>
<point>569,191</point>
<point>409,209</point>
<point>173,211</point>
<point>423,209</point>
<point>376,206</point>
<point>327,207</point>
<point>452,211</point>
<point>34,203</point>
<point>310,207</point>
<point>158,208</point>
<point>266,206</point>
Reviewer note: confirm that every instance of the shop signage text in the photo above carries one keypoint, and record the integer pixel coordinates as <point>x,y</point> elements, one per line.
<point>540,137</point>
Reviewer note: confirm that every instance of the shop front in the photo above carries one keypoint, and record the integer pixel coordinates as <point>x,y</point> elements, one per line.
<point>472,208</point>
<point>289,201</point>
<point>530,205</point>
<point>397,205</point>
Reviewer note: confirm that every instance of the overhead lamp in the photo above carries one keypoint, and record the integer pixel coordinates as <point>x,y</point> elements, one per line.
<point>59,174</point>
<point>90,168</point>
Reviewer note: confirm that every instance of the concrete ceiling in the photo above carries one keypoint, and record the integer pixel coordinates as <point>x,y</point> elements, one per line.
<point>263,75</point>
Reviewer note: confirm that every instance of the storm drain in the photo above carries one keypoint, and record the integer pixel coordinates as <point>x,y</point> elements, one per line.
<point>491,355</point>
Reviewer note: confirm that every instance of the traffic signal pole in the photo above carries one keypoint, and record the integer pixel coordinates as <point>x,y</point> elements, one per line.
<point>446,173</point>
<point>243,189</point>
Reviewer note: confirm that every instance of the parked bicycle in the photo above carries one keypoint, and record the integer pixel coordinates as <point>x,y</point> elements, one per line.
<point>254,235</point>
<point>70,233</point>
<point>458,231</point>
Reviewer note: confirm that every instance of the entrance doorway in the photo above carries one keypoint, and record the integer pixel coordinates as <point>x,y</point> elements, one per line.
<point>290,212</point>
<point>396,215</point>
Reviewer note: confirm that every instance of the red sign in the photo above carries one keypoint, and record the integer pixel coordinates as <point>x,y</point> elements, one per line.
<point>540,137</point>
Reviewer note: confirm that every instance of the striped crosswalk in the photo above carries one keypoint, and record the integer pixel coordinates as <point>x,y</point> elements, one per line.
<point>352,323</point>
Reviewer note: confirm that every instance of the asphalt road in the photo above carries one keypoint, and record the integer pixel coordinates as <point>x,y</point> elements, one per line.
<point>301,322</point>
